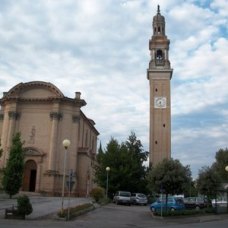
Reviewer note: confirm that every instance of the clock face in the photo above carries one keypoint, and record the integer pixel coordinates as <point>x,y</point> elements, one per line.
<point>160,102</point>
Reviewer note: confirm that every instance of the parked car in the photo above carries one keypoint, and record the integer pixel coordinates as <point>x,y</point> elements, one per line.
<point>139,198</point>
<point>122,197</point>
<point>219,203</point>
<point>194,203</point>
<point>173,204</point>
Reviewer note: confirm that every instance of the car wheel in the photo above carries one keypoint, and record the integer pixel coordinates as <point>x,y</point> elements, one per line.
<point>197,208</point>
<point>152,209</point>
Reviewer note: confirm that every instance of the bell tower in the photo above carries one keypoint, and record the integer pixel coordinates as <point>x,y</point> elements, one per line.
<point>159,75</point>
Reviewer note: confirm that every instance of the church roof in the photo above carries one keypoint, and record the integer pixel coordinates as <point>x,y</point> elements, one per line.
<point>20,88</point>
<point>36,91</point>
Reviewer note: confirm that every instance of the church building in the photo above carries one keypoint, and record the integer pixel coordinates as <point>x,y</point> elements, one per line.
<point>45,117</point>
<point>159,75</point>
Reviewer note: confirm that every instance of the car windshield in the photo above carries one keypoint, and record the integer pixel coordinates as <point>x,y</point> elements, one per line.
<point>170,200</point>
<point>127,194</point>
<point>141,195</point>
<point>179,201</point>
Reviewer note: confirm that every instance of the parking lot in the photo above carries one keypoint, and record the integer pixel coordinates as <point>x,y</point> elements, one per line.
<point>108,216</point>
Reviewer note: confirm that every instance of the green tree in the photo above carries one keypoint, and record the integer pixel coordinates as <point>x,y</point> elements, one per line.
<point>107,159</point>
<point>169,177</point>
<point>136,159</point>
<point>221,162</point>
<point>12,173</point>
<point>190,189</point>
<point>100,154</point>
<point>208,182</point>
<point>126,165</point>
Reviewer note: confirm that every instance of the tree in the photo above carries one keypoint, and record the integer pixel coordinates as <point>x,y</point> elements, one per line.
<point>107,159</point>
<point>169,177</point>
<point>126,165</point>
<point>137,156</point>
<point>220,164</point>
<point>12,173</point>
<point>190,189</point>
<point>208,182</point>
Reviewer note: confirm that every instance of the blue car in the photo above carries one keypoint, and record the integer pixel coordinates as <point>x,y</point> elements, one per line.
<point>173,204</point>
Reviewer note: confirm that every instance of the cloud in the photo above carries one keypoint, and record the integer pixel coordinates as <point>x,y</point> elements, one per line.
<point>101,49</point>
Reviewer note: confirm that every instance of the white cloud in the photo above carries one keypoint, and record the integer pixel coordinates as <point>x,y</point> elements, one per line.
<point>101,49</point>
<point>221,6</point>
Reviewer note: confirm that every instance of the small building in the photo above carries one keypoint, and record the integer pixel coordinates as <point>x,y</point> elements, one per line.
<point>45,117</point>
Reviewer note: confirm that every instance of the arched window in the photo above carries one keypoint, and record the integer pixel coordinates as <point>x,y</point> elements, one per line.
<point>159,54</point>
<point>159,57</point>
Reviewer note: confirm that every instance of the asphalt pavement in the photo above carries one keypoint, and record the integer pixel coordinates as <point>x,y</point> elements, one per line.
<point>42,206</point>
<point>47,207</point>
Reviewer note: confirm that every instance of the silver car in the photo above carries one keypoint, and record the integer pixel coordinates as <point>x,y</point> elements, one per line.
<point>139,198</point>
<point>122,197</point>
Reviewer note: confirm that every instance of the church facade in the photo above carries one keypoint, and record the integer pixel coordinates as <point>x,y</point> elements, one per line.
<point>45,117</point>
<point>159,75</point>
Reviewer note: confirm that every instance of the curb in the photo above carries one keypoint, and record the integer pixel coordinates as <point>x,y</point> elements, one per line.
<point>190,219</point>
<point>75,214</point>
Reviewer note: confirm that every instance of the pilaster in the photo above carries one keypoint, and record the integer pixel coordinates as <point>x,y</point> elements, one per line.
<point>55,118</point>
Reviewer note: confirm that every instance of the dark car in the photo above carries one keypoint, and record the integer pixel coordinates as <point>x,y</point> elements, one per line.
<point>194,203</point>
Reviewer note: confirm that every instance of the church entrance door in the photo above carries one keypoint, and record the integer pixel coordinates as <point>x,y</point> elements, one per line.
<point>29,180</point>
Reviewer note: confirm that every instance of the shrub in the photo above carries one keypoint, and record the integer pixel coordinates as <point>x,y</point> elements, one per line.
<point>75,211</point>
<point>97,193</point>
<point>24,207</point>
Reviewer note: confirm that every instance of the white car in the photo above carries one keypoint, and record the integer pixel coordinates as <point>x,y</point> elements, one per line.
<point>219,202</point>
<point>122,197</point>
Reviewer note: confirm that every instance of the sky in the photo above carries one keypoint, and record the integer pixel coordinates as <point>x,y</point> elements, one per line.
<point>100,48</point>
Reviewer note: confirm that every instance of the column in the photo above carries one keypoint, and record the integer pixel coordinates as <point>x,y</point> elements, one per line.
<point>55,117</point>
<point>7,140</point>
<point>74,147</point>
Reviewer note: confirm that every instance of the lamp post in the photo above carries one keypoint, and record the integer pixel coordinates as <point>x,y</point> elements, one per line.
<point>70,184</point>
<point>226,168</point>
<point>107,171</point>
<point>66,144</point>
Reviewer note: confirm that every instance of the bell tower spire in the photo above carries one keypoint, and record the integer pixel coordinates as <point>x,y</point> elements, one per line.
<point>159,24</point>
<point>159,75</point>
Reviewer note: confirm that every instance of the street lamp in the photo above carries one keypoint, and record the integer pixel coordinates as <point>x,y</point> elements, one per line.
<point>226,168</point>
<point>107,171</point>
<point>66,144</point>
